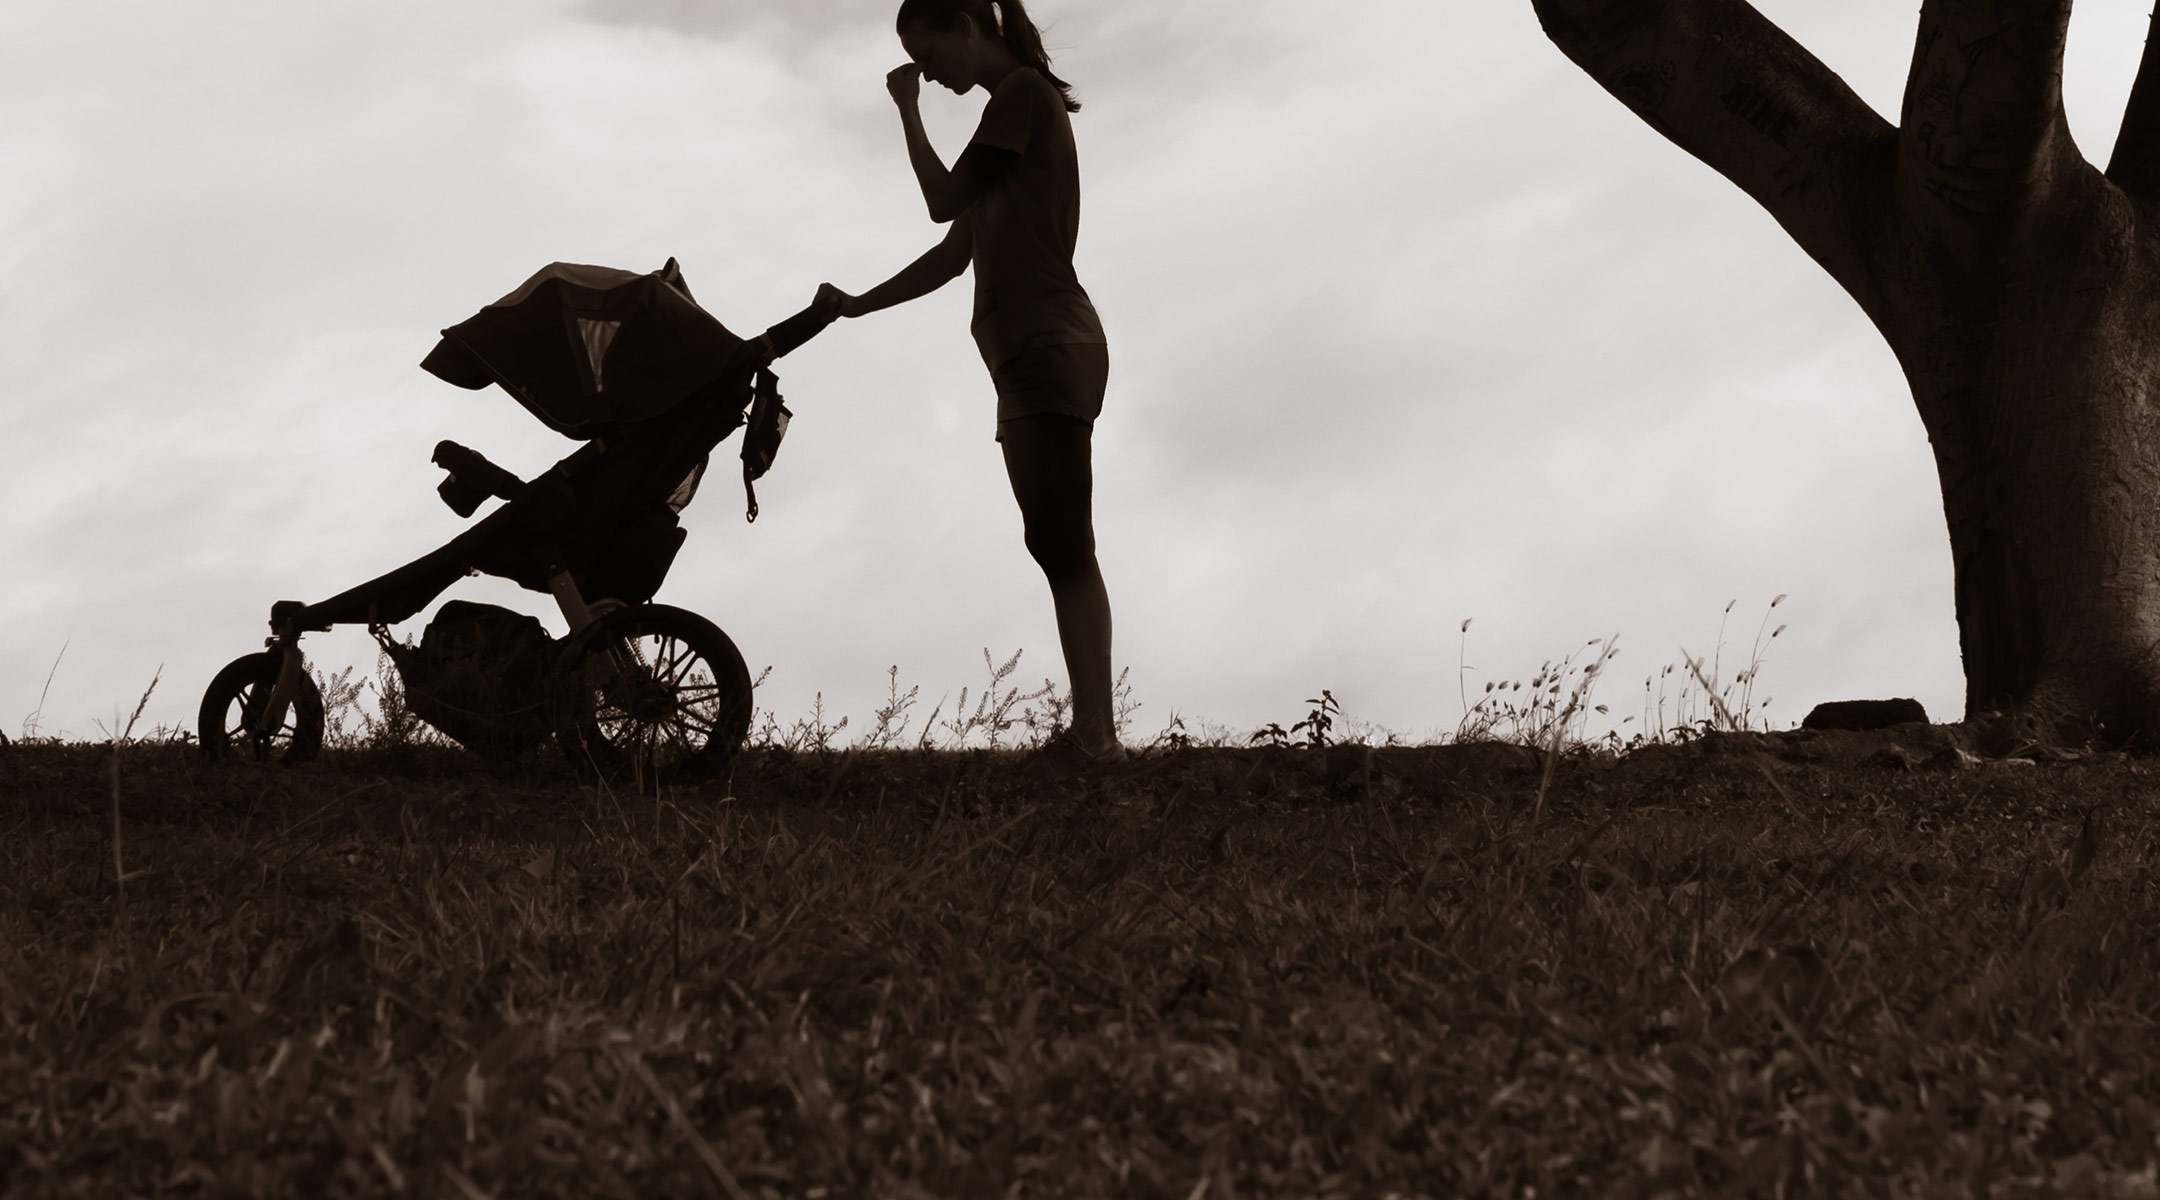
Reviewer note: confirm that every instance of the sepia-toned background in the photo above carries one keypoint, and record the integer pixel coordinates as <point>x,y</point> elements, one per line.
<point>1409,321</point>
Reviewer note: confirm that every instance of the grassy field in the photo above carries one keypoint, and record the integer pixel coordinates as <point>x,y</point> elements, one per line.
<point>1742,966</point>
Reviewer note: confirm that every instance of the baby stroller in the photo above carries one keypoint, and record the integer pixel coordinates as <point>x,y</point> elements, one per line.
<point>651,384</point>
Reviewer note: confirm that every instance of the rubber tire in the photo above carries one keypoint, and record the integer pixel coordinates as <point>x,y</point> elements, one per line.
<point>599,756</point>
<point>247,681</point>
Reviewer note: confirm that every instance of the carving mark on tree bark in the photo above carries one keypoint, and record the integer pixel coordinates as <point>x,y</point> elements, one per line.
<point>1762,111</point>
<point>1650,82</point>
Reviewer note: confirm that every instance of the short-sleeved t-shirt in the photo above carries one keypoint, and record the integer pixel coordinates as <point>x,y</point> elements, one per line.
<point>1026,226</point>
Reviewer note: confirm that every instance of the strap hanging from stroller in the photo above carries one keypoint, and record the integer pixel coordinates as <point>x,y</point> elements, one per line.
<point>761,439</point>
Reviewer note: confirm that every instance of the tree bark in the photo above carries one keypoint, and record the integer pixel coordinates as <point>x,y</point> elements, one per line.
<point>2017,284</point>
<point>2135,167</point>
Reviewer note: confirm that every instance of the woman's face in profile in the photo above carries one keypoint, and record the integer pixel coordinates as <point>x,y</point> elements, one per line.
<point>946,59</point>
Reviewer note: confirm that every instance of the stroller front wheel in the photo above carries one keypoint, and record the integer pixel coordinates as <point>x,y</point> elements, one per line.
<point>234,703</point>
<point>652,693</point>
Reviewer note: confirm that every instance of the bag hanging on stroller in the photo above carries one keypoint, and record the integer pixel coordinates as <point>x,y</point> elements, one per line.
<point>761,441</point>
<point>480,675</point>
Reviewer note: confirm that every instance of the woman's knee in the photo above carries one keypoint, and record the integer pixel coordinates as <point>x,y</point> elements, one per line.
<point>1062,547</point>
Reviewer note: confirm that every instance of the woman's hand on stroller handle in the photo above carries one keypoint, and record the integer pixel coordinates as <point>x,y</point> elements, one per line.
<point>833,300</point>
<point>789,335</point>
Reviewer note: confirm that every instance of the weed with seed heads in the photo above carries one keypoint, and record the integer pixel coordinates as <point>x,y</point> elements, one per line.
<point>33,724</point>
<point>1550,709</point>
<point>344,711</point>
<point>891,717</point>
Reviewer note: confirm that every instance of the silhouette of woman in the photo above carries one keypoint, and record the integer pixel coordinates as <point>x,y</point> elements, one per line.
<point>1013,201</point>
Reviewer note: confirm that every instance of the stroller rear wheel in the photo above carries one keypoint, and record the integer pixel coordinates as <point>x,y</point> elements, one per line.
<point>235,701</point>
<point>652,694</point>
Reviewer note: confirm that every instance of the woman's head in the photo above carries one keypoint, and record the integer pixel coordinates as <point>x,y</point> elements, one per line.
<point>947,37</point>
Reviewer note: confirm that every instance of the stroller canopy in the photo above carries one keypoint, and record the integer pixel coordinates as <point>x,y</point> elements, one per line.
<point>588,347</point>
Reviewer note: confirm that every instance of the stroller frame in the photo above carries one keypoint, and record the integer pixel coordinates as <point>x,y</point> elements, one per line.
<point>598,533</point>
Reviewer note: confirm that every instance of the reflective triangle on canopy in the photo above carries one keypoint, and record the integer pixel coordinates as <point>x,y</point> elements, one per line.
<point>598,336</point>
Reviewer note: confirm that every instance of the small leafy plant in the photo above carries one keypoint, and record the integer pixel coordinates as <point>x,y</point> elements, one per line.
<point>1320,722</point>
<point>1272,735</point>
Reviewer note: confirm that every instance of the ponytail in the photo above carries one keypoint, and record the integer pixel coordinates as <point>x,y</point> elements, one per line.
<point>1025,41</point>
<point>1008,17</point>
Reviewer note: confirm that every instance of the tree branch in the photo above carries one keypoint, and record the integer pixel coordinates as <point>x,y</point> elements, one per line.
<point>2135,165</point>
<point>1726,85</point>
<point>1982,134</point>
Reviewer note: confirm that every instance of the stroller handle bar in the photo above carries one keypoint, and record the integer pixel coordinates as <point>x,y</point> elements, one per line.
<point>790,335</point>
<point>403,592</point>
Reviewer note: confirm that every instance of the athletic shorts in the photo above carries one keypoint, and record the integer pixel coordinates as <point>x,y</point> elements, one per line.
<point>1067,380</point>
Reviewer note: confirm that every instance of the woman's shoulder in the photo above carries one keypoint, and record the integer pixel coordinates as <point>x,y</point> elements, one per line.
<point>1023,107</point>
<point>1028,84</point>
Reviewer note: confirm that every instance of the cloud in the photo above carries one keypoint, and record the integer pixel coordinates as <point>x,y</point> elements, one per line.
<point>796,22</point>
<point>1411,323</point>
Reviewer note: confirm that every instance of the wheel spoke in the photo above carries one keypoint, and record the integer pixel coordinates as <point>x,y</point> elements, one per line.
<point>242,713</point>
<point>683,733</point>
<point>697,698</point>
<point>669,701</point>
<point>669,669</point>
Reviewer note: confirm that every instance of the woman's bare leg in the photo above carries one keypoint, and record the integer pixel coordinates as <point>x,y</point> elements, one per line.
<point>1049,459</point>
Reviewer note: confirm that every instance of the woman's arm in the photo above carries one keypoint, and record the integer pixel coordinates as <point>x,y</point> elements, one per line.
<point>948,193</point>
<point>934,270</point>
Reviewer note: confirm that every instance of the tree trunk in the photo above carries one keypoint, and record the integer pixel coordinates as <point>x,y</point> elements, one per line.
<point>2033,378</point>
<point>2018,285</point>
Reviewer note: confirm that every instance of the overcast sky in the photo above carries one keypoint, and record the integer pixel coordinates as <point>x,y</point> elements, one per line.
<point>1409,323</point>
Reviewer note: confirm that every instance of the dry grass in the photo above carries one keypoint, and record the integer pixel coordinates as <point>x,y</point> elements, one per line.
<point>1268,972</point>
